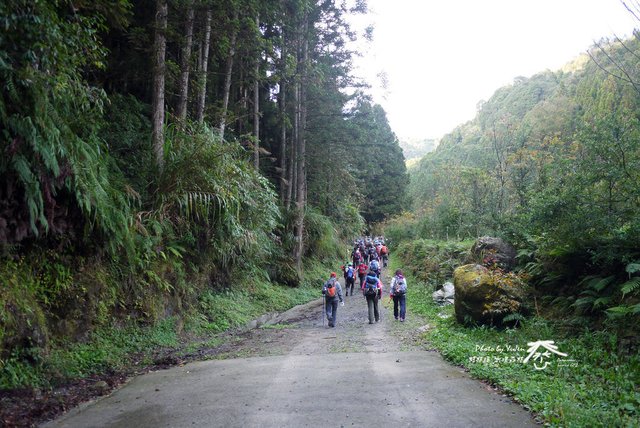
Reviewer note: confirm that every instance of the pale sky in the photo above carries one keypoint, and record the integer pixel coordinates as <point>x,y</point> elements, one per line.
<point>441,57</point>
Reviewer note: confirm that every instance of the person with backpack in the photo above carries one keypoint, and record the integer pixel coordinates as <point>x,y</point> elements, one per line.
<point>362,273</point>
<point>332,293</point>
<point>356,256</point>
<point>373,254</point>
<point>372,291</point>
<point>375,267</point>
<point>350,278</point>
<point>398,291</point>
<point>384,255</point>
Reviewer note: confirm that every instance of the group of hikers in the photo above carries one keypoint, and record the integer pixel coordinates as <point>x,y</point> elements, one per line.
<point>366,250</point>
<point>365,264</point>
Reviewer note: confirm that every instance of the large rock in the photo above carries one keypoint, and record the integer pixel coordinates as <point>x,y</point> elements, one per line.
<point>489,251</point>
<point>445,295</point>
<point>484,296</point>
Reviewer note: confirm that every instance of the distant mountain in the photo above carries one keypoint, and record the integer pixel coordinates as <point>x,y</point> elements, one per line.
<point>415,148</point>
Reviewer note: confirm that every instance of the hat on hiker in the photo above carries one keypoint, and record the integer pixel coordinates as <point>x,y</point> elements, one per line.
<point>333,274</point>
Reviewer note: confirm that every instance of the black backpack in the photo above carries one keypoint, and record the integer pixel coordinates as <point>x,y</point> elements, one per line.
<point>371,285</point>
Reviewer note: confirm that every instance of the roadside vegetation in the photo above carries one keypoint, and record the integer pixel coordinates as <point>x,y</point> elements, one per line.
<point>594,385</point>
<point>550,165</point>
<point>130,345</point>
<point>158,179</point>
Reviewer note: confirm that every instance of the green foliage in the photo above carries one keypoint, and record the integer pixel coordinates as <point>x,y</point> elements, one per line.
<point>400,228</point>
<point>209,191</point>
<point>597,389</point>
<point>49,119</point>
<point>79,174</point>
<point>432,261</point>
<point>126,130</point>
<point>20,316</point>
<point>323,240</point>
<point>113,347</point>
<point>551,162</point>
<point>105,349</point>
<point>554,155</point>
<point>379,163</point>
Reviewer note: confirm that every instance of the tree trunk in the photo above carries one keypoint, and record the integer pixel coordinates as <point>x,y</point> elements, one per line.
<point>256,105</point>
<point>301,160</point>
<point>157,103</point>
<point>204,65</point>
<point>243,116</point>
<point>185,66</point>
<point>227,78</point>
<point>295,141</point>
<point>282,98</point>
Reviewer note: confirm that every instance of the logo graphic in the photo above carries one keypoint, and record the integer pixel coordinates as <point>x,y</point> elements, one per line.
<point>541,357</point>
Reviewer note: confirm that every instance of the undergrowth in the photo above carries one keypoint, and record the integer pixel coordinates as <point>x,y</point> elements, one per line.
<point>594,385</point>
<point>254,296</point>
<point>114,348</point>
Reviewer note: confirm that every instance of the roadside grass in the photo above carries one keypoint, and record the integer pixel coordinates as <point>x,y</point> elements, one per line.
<point>592,386</point>
<point>106,349</point>
<point>117,347</point>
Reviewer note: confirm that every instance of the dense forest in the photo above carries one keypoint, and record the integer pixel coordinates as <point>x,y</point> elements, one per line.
<point>156,154</point>
<point>188,165</point>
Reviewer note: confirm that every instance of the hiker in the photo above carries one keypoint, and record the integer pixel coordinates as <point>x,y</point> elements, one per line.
<point>350,279</point>
<point>373,254</point>
<point>375,267</point>
<point>356,257</point>
<point>384,255</point>
<point>398,291</point>
<point>362,272</point>
<point>372,291</point>
<point>332,295</point>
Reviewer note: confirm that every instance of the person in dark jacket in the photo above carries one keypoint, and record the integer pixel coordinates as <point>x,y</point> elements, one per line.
<point>372,291</point>
<point>349,279</point>
<point>332,294</point>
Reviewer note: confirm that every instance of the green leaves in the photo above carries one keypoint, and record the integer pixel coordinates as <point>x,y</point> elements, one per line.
<point>632,268</point>
<point>209,190</point>
<point>630,286</point>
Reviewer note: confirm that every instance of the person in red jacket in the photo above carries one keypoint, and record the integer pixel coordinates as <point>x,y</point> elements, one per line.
<point>362,272</point>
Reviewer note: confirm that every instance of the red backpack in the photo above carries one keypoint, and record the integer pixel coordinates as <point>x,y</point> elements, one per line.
<point>331,289</point>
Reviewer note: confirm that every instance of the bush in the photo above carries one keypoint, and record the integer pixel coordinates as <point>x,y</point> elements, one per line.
<point>432,261</point>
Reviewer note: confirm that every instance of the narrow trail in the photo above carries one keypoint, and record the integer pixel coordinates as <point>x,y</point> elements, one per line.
<point>298,373</point>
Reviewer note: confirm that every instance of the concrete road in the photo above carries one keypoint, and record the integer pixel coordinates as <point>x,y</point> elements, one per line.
<point>355,375</point>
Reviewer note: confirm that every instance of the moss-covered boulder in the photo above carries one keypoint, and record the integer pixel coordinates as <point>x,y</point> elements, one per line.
<point>489,252</point>
<point>486,296</point>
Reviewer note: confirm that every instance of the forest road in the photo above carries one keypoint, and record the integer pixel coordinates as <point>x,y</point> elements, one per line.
<point>299,373</point>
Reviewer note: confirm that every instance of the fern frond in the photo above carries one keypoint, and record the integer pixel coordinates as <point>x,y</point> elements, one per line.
<point>632,268</point>
<point>630,286</point>
<point>597,283</point>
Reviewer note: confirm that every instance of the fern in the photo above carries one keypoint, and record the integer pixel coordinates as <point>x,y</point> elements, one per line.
<point>632,268</point>
<point>516,318</point>
<point>630,286</point>
<point>597,283</point>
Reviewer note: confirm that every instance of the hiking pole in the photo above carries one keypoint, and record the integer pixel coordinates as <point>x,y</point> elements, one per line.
<point>324,311</point>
